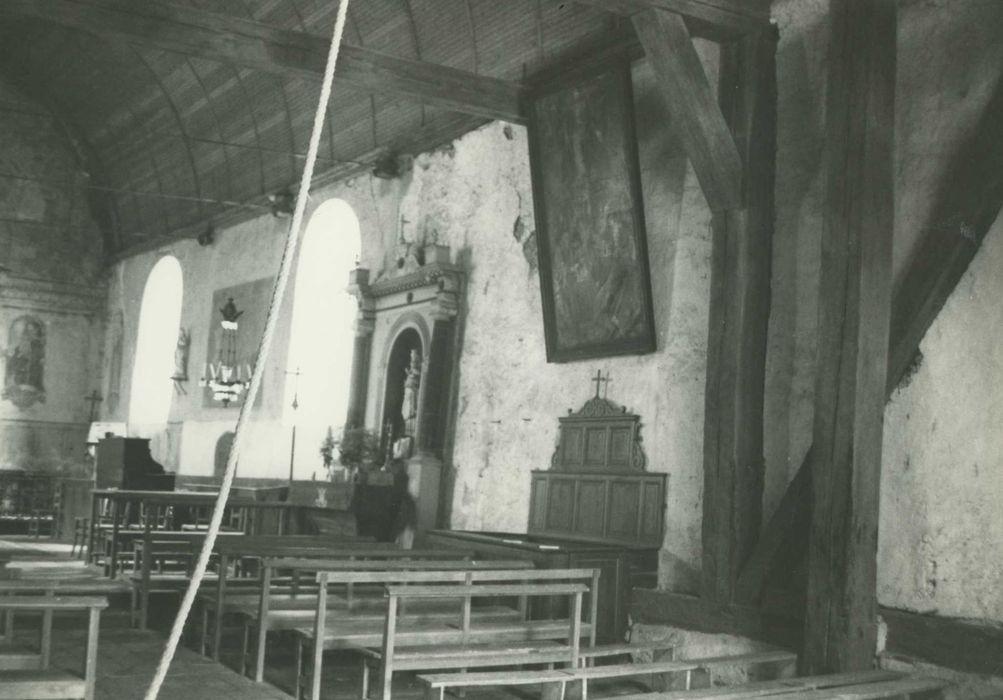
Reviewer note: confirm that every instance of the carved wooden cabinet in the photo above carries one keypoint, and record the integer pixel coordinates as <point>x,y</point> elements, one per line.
<point>595,507</point>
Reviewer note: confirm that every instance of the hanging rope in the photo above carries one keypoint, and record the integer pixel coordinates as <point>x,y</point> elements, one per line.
<point>278,293</point>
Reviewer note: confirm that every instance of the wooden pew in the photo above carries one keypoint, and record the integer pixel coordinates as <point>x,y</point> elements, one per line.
<point>859,685</point>
<point>236,551</point>
<point>45,682</point>
<point>489,645</point>
<point>467,641</point>
<point>51,587</point>
<point>783,661</point>
<point>184,548</point>
<point>298,609</point>
<point>177,558</point>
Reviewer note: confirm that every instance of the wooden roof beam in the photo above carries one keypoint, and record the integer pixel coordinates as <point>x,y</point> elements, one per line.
<point>701,125</point>
<point>194,32</point>
<point>718,20</point>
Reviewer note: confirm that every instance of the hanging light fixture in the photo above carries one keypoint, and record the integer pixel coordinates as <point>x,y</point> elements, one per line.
<point>226,377</point>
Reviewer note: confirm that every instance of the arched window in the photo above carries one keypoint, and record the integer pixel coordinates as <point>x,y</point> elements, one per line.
<point>321,337</point>
<point>156,341</point>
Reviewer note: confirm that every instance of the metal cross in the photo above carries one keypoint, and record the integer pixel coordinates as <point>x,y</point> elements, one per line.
<point>94,399</point>
<point>598,379</point>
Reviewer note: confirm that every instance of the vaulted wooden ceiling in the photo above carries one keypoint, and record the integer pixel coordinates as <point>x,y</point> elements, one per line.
<point>180,112</point>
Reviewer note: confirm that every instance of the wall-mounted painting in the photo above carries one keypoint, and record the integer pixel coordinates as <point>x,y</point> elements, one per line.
<point>590,219</point>
<point>235,346</point>
<point>24,372</point>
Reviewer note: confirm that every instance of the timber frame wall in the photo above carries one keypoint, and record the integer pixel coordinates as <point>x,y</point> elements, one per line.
<point>865,348</point>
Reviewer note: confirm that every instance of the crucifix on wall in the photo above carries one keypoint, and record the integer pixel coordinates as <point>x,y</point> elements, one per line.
<point>599,381</point>
<point>94,399</point>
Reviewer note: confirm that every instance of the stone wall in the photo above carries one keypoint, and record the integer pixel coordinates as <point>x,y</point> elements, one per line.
<point>52,272</point>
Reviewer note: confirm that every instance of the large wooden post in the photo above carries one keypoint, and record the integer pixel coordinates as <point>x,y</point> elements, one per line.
<point>731,141</point>
<point>739,318</point>
<point>854,309</point>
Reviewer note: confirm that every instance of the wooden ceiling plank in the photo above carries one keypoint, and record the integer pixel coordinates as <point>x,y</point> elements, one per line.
<point>708,19</point>
<point>702,128</point>
<point>243,42</point>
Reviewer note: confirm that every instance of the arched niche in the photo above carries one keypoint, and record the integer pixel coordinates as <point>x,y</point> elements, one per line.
<point>402,392</point>
<point>413,305</point>
<point>222,453</point>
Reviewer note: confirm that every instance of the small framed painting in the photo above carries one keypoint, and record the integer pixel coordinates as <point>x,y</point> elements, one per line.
<point>591,238</point>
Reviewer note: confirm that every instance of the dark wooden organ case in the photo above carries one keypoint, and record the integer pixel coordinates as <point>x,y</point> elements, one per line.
<point>596,507</point>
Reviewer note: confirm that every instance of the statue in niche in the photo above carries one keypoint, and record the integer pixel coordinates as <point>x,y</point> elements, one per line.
<point>181,356</point>
<point>412,380</point>
<point>25,369</point>
<point>409,406</point>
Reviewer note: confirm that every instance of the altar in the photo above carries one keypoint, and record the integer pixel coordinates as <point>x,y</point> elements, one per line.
<point>595,507</point>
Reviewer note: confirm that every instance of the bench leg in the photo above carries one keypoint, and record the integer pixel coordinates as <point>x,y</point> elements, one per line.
<point>204,629</point>
<point>245,650</point>
<point>259,663</point>
<point>133,607</point>
<point>364,690</point>
<point>144,608</point>
<point>91,660</point>
<point>387,674</point>
<point>298,692</point>
<point>46,638</point>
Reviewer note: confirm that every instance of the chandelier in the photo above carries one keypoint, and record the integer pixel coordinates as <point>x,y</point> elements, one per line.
<point>226,377</point>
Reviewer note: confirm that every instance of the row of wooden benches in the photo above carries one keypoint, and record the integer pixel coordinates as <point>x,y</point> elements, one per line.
<point>438,613</point>
<point>408,628</point>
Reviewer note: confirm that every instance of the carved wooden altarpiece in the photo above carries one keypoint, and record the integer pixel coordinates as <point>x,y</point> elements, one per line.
<point>596,486</point>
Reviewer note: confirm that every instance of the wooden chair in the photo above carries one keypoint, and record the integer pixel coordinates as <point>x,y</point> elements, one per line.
<point>43,681</point>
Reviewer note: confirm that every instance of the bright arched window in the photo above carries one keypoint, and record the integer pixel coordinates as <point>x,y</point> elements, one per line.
<point>157,339</point>
<point>321,338</point>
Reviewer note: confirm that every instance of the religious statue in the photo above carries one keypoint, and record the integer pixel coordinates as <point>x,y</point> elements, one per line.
<point>181,356</point>
<point>25,368</point>
<point>412,379</point>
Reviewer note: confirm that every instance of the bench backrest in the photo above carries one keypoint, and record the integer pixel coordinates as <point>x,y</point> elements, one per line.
<point>571,584</point>
<point>55,585</point>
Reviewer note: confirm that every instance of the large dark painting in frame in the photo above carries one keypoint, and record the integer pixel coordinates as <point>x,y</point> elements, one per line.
<point>591,237</point>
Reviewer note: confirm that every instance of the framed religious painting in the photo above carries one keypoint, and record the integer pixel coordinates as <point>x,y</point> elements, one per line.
<point>591,237</point>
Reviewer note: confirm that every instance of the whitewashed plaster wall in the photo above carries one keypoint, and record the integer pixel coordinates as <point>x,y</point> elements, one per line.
<point>475,196</point>
<point>942,482</point>
<point>51,255</point>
